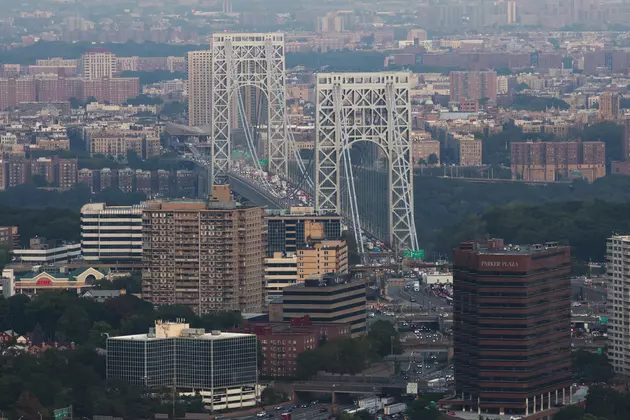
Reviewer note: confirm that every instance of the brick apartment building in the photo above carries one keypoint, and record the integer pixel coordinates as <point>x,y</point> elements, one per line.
<point>553,161</point>
<point>55,88</point>
<point>57,172</point>
<point>473,85</point>
<point>282,342</point>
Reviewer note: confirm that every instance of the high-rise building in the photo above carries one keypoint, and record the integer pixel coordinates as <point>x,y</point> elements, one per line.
<point>207,255</point>
<point>220,366</point>
<point>111,233</point>
<point>18,172</point>
<point>9,236</point>
<point>144,181</point>
<point>280,272</point>
<point>417,35</point>
<point>626,139</point>
<point>65,172</point>
<point>327,298</point>
<point>511,12</point>
<point>319,258</point>
<point>199,88</point>
<point>288,231</point>
<point>86,176</point>
<point>473,85</point>
<point>609,106</point>
<point>97,64</point>
<point>617,249</point>
<point>512,326</point>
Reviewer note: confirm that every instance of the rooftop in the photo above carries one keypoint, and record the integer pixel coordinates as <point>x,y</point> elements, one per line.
<point>165,329</point>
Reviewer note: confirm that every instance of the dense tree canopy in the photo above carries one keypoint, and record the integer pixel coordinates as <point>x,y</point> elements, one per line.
<point>537,103</point>
<point>602,403</point>
<point>591,367</point>
<point>350,355</point>
<point>584,225</point>
<point>150,77</point>
<point>30,384</point>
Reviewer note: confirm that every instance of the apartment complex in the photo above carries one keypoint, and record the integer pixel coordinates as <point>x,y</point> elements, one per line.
<point>617,270</point>
<point>326,299</point>
<point>282,342</point>
<point>111,233</point>
<point>512,326</point>
<point>423,146</point>
<point>322,258</point>
<point>220,366</point>
<point>199,88</point>
<point>207,255</point>
<point>553,161</point>
<point>97,64</point>
<point>56,172</point>
<point>473,85</point>
<point>22,90</point>
<point>288,231</point>
<point>116,141</point>
<point>468,150</point>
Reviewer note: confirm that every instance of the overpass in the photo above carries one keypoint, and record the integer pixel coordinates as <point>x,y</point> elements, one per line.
<point>343,387</point>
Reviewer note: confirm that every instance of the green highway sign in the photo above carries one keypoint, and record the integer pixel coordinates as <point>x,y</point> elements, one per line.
<point>419,254</point>
<point>62,413</point>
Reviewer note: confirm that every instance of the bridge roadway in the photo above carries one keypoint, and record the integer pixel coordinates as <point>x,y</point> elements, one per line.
<point>244,188</point>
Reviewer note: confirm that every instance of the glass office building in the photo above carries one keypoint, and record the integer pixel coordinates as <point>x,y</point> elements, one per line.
<point>221,366</point>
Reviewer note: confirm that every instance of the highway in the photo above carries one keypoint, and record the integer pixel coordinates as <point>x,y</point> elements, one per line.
<point>422,298</point>
<point>312,412</point>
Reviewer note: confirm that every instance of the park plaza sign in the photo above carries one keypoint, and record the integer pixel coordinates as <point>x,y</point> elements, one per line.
<point>499,264</point>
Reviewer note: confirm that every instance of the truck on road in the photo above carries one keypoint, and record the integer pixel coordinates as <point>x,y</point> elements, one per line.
<point>395,408</point>
<point>416,286</point>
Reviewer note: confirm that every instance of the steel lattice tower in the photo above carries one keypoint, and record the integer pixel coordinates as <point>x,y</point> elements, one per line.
<point>248,59</point>
<point>372,107</point>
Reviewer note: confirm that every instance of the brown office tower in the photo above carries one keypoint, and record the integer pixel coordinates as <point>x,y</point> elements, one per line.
<point>512,326</point>
<point>204,254</point>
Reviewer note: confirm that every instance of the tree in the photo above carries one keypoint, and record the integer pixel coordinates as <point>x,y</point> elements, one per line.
<point>39,180</point>
<point>143,99</point>
<point>28,406</point>
<point>592,367</point>
<point>73,325</point>
<point>384,338</point>
<point>272,396</point>
<point>521,86</point>
<point>433,159</point>
<point>572,412</point>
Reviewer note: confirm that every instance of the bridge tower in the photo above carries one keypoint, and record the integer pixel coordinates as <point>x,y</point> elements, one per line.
<point>372,107</point>
<point>253,60</point>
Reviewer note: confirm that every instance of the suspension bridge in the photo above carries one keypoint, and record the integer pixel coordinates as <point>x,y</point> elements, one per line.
<point>361,119</point>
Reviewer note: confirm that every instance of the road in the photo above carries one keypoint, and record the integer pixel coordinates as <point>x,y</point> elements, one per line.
<point>312,412</point>
<point>423,300</point>
<point>595,293</point>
